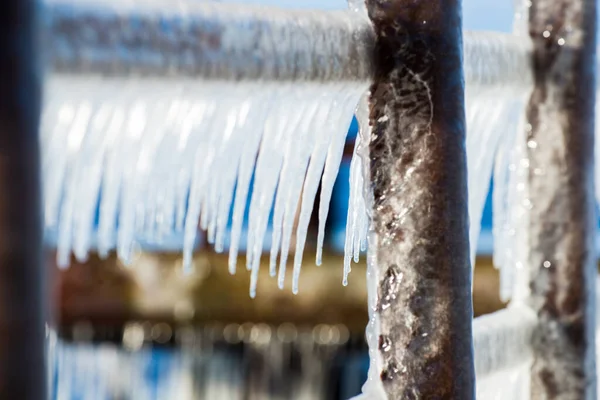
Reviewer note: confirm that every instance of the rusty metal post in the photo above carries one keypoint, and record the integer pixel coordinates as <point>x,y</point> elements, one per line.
<point>561,214</point>
<point>419,182</point>
<point>22,360</point>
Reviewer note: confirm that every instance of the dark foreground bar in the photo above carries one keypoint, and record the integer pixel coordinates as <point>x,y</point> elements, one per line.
<point>22,361</point>
<point>419,178</point>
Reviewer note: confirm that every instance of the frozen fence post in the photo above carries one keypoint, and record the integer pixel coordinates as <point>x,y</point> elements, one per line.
<point>22,366</point>
<point>420,219</point>
<point>559,163</point>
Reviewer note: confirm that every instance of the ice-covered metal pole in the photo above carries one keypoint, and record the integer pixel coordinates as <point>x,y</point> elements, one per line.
<point>562,219</point>
<point>419,216</point>
<point>22,361</point>
<point>186,38</point>
<point>199,40</point>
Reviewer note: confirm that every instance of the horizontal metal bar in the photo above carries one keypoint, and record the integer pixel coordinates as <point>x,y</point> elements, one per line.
<point>493,59</point>
<point>211,41</point>
<point>224,42</point>
<point>502,340</point>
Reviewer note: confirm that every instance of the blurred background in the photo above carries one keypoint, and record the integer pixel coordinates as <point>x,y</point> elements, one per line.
<point>148,331</point>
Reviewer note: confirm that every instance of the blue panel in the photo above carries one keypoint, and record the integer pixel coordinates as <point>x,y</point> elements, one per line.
<point>336,223</point>
<point>486,218</point>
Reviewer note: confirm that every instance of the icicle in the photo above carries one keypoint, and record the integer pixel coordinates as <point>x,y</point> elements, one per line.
<point>225,164</point>
<point>373,387</point>
<point>509,195</point>
<point>313,173</point>
<point>186,165</point>
<point>268,167</point>
<point>110,187</point>
<point>486,125</point>
<point>331,169</point>
<point>136,126</point>
<point>300,158</point>
<point>357,185</point>
<point>194,209</point>
<point>332,165</point>
<point>351,221</point>
<point>185,141</point>
<point>90,179</point>
<point>228,181</point>
<point>76,136</point>
<point>228,102</point>
<point>291,172</point>
<point>245,171</point>
<point>54,163</point>
<point>160,165</point>
<point>169,153</point>
<point>204,159</point>
<point>322,156</point>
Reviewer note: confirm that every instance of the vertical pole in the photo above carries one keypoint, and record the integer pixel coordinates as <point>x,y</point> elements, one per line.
<point>562,220</point>
<point>419,216</point>
<point>22,360</point>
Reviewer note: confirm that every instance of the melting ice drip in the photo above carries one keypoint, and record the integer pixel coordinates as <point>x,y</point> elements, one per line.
<point>157,158</point>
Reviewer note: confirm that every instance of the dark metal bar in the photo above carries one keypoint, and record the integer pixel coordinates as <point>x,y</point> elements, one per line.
<point>561,213</point>
<point>22,361</point>
<point>420,218</point>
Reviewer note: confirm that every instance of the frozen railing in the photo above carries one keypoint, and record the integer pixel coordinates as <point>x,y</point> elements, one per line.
<point>152,93</point>
<point>88,69</point>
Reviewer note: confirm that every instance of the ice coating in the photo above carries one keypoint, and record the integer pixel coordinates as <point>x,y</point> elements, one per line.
<point>358,6</point>
<point>372,388</point>
<point>502,353</point>
<point>335,121</point>
<point>491,120</point>
<point>494,112</point>
<point>229,42</point>
<point>131,124</point>
<point>217,194</point>
<point>159,166</point>
<point>509,213</point>
<point>510,217</point>
<point>357,220</point>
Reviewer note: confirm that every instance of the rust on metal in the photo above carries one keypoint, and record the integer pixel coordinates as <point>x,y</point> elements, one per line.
<point>419,183</point>
<point>560,157</point>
